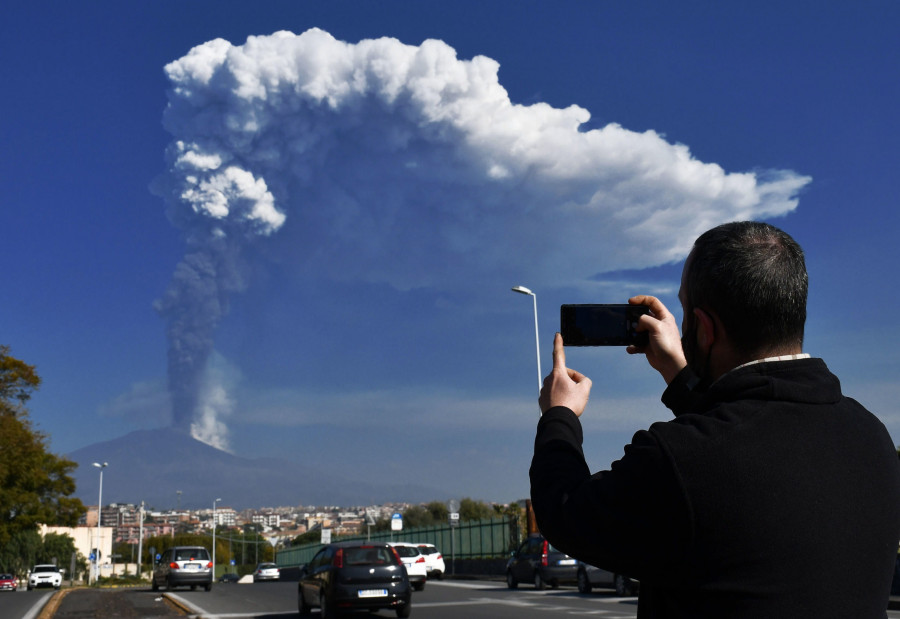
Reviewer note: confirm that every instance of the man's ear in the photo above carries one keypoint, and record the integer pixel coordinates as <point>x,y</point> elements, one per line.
<point>706,329</point>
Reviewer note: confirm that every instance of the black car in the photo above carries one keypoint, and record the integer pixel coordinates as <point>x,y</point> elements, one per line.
<point>590,577</point>
<point>538,562</point>
<point>229,577</point>
<point>347,576</point>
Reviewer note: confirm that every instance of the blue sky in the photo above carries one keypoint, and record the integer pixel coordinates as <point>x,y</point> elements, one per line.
<point>379,200</point>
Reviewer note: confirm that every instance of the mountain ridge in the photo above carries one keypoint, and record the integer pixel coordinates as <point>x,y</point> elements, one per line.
<point>153,465</point>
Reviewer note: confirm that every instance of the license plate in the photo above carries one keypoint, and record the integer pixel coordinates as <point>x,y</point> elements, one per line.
<point>373,593</point>
<point>192,566</point>
<point>567,562</point>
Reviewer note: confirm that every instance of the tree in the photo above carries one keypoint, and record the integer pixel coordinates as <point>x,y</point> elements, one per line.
<point>470,509</point>
<point>35,485</point>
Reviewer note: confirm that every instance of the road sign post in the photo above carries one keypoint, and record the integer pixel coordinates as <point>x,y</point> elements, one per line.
<point>453,508</point>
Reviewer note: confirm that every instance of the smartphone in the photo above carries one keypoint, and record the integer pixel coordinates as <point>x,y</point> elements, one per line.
<point>602,325</point>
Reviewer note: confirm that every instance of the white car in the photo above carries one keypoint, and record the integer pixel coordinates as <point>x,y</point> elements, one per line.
<point>266,571</point>
<point>414,562</point>
<point>434,560</point>
<point>44,576</point>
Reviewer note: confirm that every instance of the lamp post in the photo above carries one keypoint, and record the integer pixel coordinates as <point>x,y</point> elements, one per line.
<point>214,538</point>
<point>537,343</point>
<point>96,570</point>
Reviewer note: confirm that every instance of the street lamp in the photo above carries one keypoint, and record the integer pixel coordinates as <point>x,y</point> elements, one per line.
<point>214,538</point>
<point>537,343</point>
<point>96,570</point>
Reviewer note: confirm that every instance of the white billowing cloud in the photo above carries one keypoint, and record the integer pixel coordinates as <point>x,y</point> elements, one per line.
<point>215,403</point>
<point>400,164</point>
<point>378,146</point>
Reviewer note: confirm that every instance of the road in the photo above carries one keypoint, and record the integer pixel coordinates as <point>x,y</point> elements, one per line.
<point>448,599</point>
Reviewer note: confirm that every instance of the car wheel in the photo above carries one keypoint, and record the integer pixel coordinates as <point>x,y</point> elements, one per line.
<point>622,587</point>
<point>207,586</point>
<point>419,586</point>
<point>584,583</point>
<point>325,608</point>
<point>193,587</point>
<point>170,586</point>
<point>539,583</point>
<point>301,603</point>
<point>153,586</point>
<point>404,611</point>
<point>511,581</point>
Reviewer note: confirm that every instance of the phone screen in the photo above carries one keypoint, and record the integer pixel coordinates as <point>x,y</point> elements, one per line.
<point>602,324</point>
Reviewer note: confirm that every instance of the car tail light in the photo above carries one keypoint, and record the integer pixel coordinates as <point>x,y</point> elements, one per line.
<point>209,565</point>
<point>173,566</point>
<point>420,560</point>
<point>397,556</point>
<point>338,560</point>
<point>544,557</point>
<point>440,556</point>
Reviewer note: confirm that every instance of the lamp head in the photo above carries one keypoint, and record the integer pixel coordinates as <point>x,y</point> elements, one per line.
<point>101,466</point>
<point>522,290</point>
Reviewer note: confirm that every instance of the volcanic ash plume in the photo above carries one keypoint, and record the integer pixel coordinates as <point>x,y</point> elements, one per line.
<point>351,152</point>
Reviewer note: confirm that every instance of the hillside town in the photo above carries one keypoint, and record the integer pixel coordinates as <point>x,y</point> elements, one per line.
<point>275,524</point>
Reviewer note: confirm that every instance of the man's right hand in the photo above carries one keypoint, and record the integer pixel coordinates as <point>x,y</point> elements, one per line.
<point>563,386</point>
<point>664,351</point>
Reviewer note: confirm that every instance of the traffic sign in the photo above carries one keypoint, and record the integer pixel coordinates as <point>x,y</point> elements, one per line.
<point>397,522</point>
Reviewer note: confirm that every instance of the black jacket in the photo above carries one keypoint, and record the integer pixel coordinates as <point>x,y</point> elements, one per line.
<point>770,495</point>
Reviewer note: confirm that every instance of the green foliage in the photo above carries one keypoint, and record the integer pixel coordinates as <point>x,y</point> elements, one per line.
<point>17,380</point>
<point>26,549</point>
<point>469,509</point>
<point>310,537</point>
<point>436,513</point>
<point>35,485</point>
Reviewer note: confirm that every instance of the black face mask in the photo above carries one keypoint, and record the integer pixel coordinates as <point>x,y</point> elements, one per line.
<point>699,366</point>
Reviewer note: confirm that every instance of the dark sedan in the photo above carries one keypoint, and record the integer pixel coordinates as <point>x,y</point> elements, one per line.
<point>590,577</point>
<point>538,562</point>
<point>349,576</point>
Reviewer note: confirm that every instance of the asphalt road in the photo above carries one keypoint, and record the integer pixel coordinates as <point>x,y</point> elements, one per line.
<point>440,600</point>
<point>448,599</point>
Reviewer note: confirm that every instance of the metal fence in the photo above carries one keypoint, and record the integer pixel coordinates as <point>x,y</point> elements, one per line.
<point>489,538</point>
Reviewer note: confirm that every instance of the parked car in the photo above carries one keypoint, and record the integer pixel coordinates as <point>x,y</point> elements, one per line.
<point>414,562</point>
<point>8,582</point>
<point>359,575</point>
<point>44,576</point>
<point>434,561</point>
<point>183,566</point>
<point>538,562</point>
<point>266,571</point>
<point>590,577</point>
<point>229,577</point>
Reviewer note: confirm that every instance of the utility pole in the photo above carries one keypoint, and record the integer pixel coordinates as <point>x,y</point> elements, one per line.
<point>140,539</point>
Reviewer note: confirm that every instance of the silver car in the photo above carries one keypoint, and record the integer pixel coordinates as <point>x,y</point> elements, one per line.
<point>183,566</point>
<point>266,571</point>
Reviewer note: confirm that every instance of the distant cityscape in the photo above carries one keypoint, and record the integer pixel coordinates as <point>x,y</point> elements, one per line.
<point>275,524</point>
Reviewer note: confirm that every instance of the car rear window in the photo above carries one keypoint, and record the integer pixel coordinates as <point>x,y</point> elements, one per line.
<point>368,555</point>
<point>45,568</point>
<point>428,550</point>
<point>407,551</point>
<point>192,554</point>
